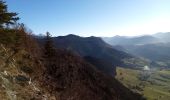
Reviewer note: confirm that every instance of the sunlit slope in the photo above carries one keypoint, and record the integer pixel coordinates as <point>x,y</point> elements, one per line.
<point>16,80</point>
<point>154,85</point>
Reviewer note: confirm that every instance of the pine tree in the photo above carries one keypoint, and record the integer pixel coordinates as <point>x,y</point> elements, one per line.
<point>49,55</point>
<point>49,47</point>
<point>6,18</point>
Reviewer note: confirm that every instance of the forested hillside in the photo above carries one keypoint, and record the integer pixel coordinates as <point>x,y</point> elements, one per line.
<point>29,71</point>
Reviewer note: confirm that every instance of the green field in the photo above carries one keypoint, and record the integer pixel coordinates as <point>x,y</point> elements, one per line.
<point>154,85</point>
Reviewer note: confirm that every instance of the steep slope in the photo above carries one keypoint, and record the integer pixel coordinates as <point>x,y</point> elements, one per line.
<point>20,67</point>
<point>102,64</point>
<point>71,78</point>
<point>23,75</point>
<point>94,47</point>
<point>19,76</point>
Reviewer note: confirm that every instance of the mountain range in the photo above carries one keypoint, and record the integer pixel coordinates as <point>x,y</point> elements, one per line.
<point>154,47</point>
<point>95,51</point>
<point>164,37</point>
<point>27,72</point>
<point>124,40</point>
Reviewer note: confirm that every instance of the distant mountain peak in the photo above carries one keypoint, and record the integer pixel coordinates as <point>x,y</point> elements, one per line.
<point>72,35</point>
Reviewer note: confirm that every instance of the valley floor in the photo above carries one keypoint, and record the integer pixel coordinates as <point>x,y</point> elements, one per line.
<point>153,85</point>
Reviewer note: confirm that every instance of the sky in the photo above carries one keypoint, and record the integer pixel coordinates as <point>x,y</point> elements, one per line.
<point>93,17</point>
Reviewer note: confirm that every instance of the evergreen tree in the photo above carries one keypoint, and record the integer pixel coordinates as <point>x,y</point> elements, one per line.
<point>49,55</point>
<point>49,47</point>
<point>6,18</point>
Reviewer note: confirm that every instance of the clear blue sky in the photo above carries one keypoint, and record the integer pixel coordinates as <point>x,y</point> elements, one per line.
<point>94,17</point>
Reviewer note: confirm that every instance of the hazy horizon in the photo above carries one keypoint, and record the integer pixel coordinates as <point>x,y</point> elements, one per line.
<point>102,36</point>
<point>94,17</point>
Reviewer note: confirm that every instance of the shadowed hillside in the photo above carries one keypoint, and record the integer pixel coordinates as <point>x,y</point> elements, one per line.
<point>71,77</point>
<point>95,48</point>
<point>26,74</point>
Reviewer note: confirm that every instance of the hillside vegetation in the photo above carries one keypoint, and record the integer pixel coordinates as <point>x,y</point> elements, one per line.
<point>26,73</point>
<point>95,51</point>
<point>19,70</point>
<point>32,71</point>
